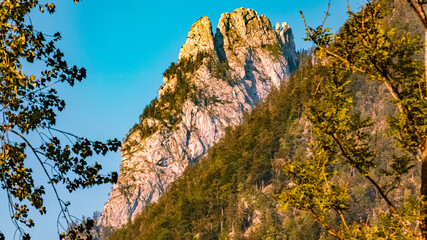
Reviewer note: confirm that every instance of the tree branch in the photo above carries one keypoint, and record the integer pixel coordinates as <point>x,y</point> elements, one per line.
<point>348,9</point>
<point>343,219</point>
<point>327,14</point>
<point>328,228</point>
<point>44,169</point>
<point>420,14</point>
<point>384,77</point>
<point>383,195</point>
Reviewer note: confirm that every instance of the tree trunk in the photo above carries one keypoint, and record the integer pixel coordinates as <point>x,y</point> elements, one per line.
<point>425,55</point>
<point>424,159</point>
<point>424,193</point>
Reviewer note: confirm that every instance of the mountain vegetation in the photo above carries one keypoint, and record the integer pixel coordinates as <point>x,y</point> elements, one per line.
<point>327,155</point>
<point>343,136</point>
<point>166,110</point>
<point>233,192</point>
<point>221,194</point>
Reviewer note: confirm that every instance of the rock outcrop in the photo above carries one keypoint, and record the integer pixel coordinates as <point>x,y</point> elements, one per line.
<point>200,39</point>
<point>216,80</point>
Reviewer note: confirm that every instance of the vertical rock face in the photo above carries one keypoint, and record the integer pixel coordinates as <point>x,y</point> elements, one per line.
<point>288,45</point>
<point>200,39</point>
<point>216,80</point>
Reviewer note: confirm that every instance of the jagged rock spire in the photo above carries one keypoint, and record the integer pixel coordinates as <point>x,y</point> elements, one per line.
<point>286,39</point>
<point>200,39</point>
<point>243,28</point>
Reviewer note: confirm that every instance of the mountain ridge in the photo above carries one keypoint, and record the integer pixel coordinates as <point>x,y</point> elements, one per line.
<point>217,79</point>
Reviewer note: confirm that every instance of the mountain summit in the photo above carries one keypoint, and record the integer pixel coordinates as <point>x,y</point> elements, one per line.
<point>199,40</point>
<point>217,79</point>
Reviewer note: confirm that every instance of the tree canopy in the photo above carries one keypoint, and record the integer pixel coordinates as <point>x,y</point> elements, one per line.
<point>365,45</point>
<point>30,105</point>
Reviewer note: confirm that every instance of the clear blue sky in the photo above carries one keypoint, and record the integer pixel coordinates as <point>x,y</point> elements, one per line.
<point>126,46</point>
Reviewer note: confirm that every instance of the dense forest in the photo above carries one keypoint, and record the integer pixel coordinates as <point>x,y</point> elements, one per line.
<point>235,191</point>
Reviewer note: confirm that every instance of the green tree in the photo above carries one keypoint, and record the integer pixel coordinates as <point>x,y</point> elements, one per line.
<point>29,107</point>
<point>364,45</point>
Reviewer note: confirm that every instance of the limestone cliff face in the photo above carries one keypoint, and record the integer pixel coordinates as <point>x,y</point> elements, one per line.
<point>200,39</point>
<point>216,80</point>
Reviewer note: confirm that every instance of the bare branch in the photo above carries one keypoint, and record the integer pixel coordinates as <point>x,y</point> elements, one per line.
<point>318,87</point>
<point>421,9</point>
<point>343,219</point>
<point>63,132</point>
<point>327,14</point>
<point>305,25</point>
<point>348,9</point>
<point>373,182</point>
<point>418,12</point>
<point>328,228</point>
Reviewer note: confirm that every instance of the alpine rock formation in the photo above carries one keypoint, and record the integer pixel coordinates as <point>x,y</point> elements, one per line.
<point>216,80</point>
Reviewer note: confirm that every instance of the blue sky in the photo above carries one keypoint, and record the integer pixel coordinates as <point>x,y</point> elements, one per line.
<point>126,46</point>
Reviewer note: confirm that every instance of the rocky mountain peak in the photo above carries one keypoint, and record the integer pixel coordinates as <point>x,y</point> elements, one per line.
<point>285,27</point>
<point>214,83</point>
<point>199,40</point>
<point>243,28</point>
<point>286,39</point>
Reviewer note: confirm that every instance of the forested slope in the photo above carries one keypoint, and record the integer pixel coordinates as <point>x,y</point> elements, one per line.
<point>233,192</point>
